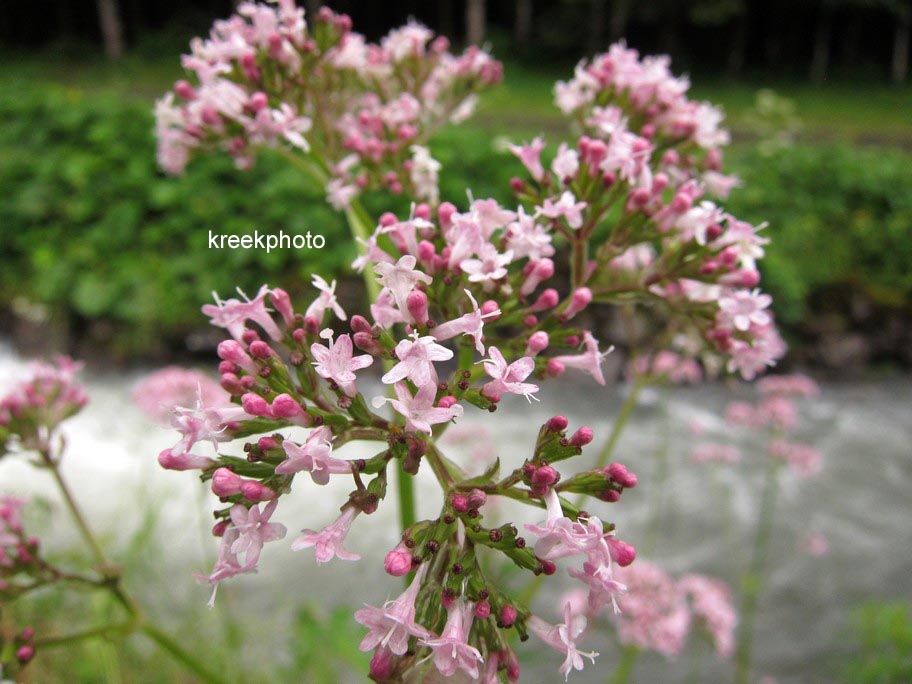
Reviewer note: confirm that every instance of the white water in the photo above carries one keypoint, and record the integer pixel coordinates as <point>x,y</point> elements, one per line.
<point>860,502</point>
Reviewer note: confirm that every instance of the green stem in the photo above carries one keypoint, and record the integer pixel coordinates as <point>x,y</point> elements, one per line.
<point>167,644</point>
<point>66,639</point>
<point>752,583</point>
<point>75,513</point>
<point>624,669</point>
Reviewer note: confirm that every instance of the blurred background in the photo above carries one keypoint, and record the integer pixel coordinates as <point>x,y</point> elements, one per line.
<point>105,258</point>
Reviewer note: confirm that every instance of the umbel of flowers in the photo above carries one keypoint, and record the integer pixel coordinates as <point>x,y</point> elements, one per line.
<point>464,310</point>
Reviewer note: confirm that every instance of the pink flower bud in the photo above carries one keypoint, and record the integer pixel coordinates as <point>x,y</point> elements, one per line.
<point>477,499</point>
<point>639,197</point>
<point>256,491</point>
<point>546,300</point>
<point>417,303</point>
<point>448,401</point>
<point>581,298</point>
<point>382,664</point>
<point>218,530</point>
<point>517,185</point>
<point>543,478</point>
<point>540,271</point>
<point>548,567</point>
<point>230,383</point>
<point>507,616</point>
<point>24,654</point>
<point>389,219</point>
<point>232,351</point>
<point>423,211</point>
<point>554,368</point>
<point>258,101</point>
<point>360,324</point>
<point>460,503</point>
<point>623,553</point>
<point>581,437</point>
<point>184,90</point>
<point>226,483</point>
<point>482,609</point>
<point>286,406</point>
<point>619,473</point>
<point>267,443</point>
<point>445,214</point>
<point>366,343</point>
<point>610,496</point>
<point>248,382</point>
<point>398,562</point>
<point>572,340</point>
<point>488,308</point>
<point>530,321</point>
<point>538,342</point>
<point>260,350</point>
<point>249,336</point>
<point>255,405</point>
<point>426,251</point>
<point>558,424</point>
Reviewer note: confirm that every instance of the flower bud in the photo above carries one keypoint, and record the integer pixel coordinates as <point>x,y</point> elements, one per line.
<point>382,664</point>
<point>477,499</point>
<point>445,214</point>
<point>286,406</point>
<point>260,350</point>
<point>581,298</point>
<point>184,90</point>
<point>24,654</point>
<point>255,405</point>
<point>226,483</point>
<point>581,437</point>
<point>417,303</point>
<point>366,343</point>
<point>448,401</point>
<point>398,562</point>
<point>538,342</point>
<point>619,473</point>
<point>282,302</point>
<point>359,324</point>
<point>554,368</point>
<point>546,300</point>
<point>541,270</point>
<point>623,553</point>
<point>256,491</point>
<point>482,609</point>
<point>232,351</point>
<point>507,616</point>
<point>488,308</point>
<point>460,503</point>
<point>558,424</point>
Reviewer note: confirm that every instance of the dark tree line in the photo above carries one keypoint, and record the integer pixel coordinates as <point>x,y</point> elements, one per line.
<point>809,37</point>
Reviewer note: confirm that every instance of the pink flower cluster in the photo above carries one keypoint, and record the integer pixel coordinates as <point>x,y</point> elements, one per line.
<point>265,77</point>
<point>39,403</point>
<point>657,612</point>
<point>158,393</point>
<point>646,164</point>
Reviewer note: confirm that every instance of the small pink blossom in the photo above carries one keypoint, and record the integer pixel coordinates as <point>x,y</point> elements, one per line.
<point>711,604</point>
<point>400,278</point>
<point>451,650</point>
<point>530,156</point>
<point>566,207</point>
<point>233,314</point>
<point>419,411</point>
<point>563,637</point>
<point>590,361</point>
<point>743,308</point>
<point>314,457</point>
<point>509,377</point>
<point>325,300</point>
<point>336,361</point>
<point>416,360</point>
<point>471,324</point>
<point>392,625</point>
<point>328,542</point>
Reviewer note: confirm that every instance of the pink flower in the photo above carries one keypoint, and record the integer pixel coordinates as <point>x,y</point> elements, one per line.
<point>560,536</point>
<point>385,312</point>
<point>804,460</point>
<point>160,392</point>
<point>325,300</point>
<point>451,649</point>
<point>314,457</point>
<point>200,424</point>
<point>328,542</point>
<point>526,238</point>
<point>509,377</point>
<point>743,308</point>
<point>566,206</point>
<point>470,324</point>
<point>590,361</point>
<point>393,624</point>
<point>400,278</point>
<point>566,163</point>
<point>416,361</point>
<point>654,614</point>
<point>711,603</point>
<point>233,314</point>
<point>562,638</point>
<point>336,361</point>
<point>598,573</point>
<point>489,267</point>
<point>530,156</point>
<point>254,530</point>
<point>419,411</point>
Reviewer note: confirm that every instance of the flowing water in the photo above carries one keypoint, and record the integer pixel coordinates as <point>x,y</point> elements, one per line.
<point>688,518</point>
